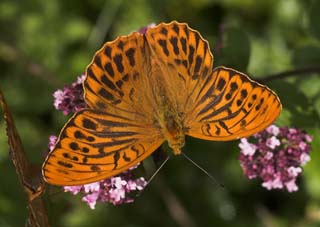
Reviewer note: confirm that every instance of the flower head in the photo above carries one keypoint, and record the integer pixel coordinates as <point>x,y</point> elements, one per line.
<point>70,98</point>
<point>113,190</point>
<point>276,156</point>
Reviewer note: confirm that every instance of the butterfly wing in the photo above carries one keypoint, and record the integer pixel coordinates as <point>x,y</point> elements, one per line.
<point>117,131</point>
<point>95,145</point>
<point>229,105</point>
<point>116,79</point>
<point>184,59</point>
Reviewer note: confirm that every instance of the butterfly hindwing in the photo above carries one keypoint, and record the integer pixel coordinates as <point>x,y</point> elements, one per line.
<point>95,145</point>
<point>230,105</point>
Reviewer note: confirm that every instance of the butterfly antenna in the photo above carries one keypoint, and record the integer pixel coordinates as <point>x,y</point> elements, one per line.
<point>157,171</point>
<point>203,170</point>
<point>153,175</point>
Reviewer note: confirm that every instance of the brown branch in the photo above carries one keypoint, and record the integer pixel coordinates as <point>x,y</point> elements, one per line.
<point>290,73</point>
<point>29,175</point>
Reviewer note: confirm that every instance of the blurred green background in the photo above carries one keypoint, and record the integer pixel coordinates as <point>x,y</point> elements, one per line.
<point>46,44</point>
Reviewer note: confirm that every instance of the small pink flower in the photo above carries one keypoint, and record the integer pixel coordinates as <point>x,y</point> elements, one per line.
<point>91,199</point>
<point>272,142</point>
<point>52,142</point>
<point>302,145</point>
<point>308,138</point>
<point>291,185</point>
<point>304,158</point>
<point>247,148</point>
<point>58,98</point>
<point>268,155</point>
<point>294,171</point>
<point>117,194</point>
<point>73,189</point>
<point>118,182</point>
<point>92,187</point>
<point>273,129</point>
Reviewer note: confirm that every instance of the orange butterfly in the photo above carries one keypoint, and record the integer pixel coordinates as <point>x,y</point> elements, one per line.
<point>142,90</point>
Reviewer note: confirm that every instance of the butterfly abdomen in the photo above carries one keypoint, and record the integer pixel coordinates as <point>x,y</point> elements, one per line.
<point>172,129</point>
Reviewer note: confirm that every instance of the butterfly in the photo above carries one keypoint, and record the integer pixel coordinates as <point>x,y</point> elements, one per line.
<point>144,89</point>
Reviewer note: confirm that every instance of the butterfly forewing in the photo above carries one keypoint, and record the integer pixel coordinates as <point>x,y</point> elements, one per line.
<point>95,145</point>
<point>116,78</point>
<point>230,106</point>
<point>183,57</point>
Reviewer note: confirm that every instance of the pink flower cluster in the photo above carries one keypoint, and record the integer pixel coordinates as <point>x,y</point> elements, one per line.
<point>70,98</point>
<point>275,155</point>
<point>113,190</point>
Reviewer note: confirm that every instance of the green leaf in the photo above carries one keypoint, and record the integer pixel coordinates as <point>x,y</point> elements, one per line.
<point>314,19</point>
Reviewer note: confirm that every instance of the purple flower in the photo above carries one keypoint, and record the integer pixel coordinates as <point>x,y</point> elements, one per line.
<point>275,155</point>
<point>272,142</point>
<point>70,98</point>
<point>247,148</point>
<point>113,190</point>
<point>52,142</point>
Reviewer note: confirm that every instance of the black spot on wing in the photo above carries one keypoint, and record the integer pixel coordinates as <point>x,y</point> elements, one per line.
<point>105,94</point>
<point>120,45</point>
<point>79,135</point>
<point>118,61</point>
<point>89,124</point>
<point>74,146</point>
<point>95,168</point>
<point>174,43</point>
<point>183,42</point>
<point>107,51</point>
<point>175,29</point>
<point>125,157</point>
<point>65,164</point>
<point>97,61</point>
<point>191,54</point>
<point>85,150</point>
<point>116,158</point>
<point>109,69</point>
<point>164,31</point>
<point>163,44</point>
<point>125,77</point>
<point>107,82</point>
<point>221,84</point>
<point>198,64</point>
<point>130,55</point>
